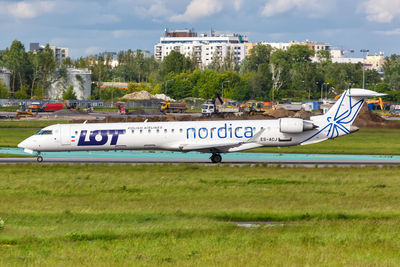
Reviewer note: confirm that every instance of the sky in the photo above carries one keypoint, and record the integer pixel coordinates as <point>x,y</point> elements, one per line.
<point>89,27</point>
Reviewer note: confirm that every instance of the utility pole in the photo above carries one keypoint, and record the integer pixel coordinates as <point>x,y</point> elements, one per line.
<point>222,87</point>
<point>365,51</point>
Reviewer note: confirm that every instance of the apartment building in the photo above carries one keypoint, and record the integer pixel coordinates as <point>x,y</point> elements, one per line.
<point>60,53</point>
<point>204,48</point>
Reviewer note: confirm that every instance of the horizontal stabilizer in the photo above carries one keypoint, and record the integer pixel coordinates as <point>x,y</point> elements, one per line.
<point>364,93</point>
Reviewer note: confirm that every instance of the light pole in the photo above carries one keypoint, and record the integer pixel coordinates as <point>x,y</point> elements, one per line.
<point>322,85</point>
<point>364,51</point>
<point>326,88</point>
<point>222,87</point>
<point>166,85</point>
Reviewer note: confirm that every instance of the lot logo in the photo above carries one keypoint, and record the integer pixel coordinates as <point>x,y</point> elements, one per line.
<point>99,137</point>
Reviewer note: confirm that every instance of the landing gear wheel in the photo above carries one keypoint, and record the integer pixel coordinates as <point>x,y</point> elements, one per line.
<point>39,158</point>
<point>216,158</point>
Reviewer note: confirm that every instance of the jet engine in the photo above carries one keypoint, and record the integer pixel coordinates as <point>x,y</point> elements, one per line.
<point>294,125</point>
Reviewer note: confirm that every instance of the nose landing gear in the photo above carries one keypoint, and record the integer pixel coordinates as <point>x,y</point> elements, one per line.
<point>39,158</point>
<point>216,158</point>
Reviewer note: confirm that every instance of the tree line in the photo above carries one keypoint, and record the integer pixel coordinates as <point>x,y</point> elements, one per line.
<point>265,74</point>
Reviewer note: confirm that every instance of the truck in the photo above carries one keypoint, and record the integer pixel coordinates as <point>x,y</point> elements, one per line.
<point>51,107</point>
<point>167,106</point>
<point>211,107</point>
<point>34,107</point>
<point>253,107</point>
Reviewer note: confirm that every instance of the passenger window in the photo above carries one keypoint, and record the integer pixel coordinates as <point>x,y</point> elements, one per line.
<point>165,130</point>
<point>149,131</point>
<point>141,131</point>
<point>172,130</point>
<point>158,130</point>
<point>133,131</point>
<point>180,130</point>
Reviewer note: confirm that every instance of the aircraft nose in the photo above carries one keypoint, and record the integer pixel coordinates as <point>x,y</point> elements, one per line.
<point>22,144</point>
<point>27,143</point>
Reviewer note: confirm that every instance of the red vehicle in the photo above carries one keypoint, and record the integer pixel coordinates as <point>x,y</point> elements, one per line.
<point>51,107</point>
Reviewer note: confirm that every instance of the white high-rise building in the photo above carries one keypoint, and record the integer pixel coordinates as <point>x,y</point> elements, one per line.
<point>60,53</point>
<point>204,47</point>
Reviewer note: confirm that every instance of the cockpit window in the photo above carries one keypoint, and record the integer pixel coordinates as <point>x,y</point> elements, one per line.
<point>45,132</point>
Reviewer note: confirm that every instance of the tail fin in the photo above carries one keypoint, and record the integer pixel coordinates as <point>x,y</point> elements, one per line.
<point>338,120</point>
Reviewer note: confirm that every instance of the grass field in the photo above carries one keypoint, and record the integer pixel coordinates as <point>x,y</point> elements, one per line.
<point>366,141</point>
<point>13,132</point>
<point>64,215</point>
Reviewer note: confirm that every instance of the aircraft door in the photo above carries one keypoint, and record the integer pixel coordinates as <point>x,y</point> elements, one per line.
<point>65,134</point>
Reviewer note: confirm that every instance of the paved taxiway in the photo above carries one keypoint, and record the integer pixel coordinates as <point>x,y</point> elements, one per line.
<point>304,162</point>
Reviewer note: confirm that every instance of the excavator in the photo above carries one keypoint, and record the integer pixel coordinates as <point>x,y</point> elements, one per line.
<point>73,106</point>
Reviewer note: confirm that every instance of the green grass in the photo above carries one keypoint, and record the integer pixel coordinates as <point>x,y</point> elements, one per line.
<point>183,215</point>
<point>9,109</point>
<point>5,155</point>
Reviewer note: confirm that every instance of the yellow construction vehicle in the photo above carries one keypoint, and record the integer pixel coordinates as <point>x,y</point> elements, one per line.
<point>70,107</point>
<point>23,112</point>
<point>376,101</point>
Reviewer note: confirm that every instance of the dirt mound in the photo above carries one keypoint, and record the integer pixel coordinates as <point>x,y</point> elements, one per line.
<point>150,112</point>
<point>302,114</point>
<point>163,97</point>
<point>154,112</point>
<point>366,118</point>
<point>142,95</point>
<point>279,113</point>
<point>138,112</point>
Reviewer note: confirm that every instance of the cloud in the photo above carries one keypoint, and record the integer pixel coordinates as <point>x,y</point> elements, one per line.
<point>389,32</point>
<point>237,4</point>
<point>274,7</point>
<point>158,9</point>
<point>93,50</point>
<point>200,8</point>
<point>383,11</point>
<point>26,9</point>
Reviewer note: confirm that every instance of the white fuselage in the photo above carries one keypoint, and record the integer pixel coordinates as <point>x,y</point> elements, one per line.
<point>204,136</point>
<point>176,136</point>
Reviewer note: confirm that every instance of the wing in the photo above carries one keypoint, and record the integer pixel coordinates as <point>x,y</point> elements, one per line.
<point>219,147</point>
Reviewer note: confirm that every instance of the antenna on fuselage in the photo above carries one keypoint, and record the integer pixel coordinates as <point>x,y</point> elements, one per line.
<point>84,122</point>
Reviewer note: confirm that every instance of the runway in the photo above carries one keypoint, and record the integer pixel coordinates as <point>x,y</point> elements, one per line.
<point>143,157</point>
<point>289,162</point>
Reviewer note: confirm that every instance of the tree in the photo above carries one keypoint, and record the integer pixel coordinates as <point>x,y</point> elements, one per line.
<point>69,94</point>
<point>300,53</point>
<point>21,93</point>
<point>176,63</point>
<point>391,68</point>
<point>48,66</point>
<point>259,58</point>
<point>324,55</point>
<point>3,91</point>
<point>279,67</point>
<point>16,60</point>
<point>36,69</point>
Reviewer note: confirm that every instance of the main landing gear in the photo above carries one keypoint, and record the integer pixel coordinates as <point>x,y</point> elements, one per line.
<point>216,158</point>
<point>39,158</point>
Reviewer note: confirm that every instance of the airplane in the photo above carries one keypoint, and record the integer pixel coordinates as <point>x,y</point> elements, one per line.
<point>213,137</point>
